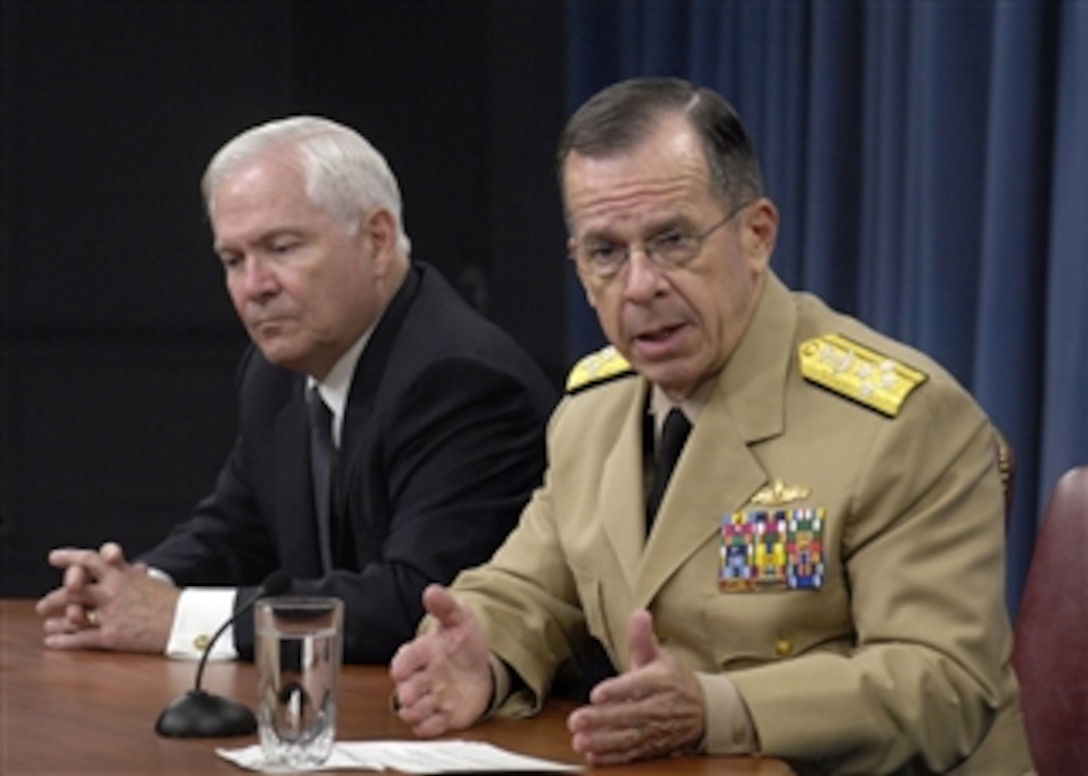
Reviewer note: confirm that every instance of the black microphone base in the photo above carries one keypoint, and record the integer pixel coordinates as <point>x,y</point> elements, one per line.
<point>198,714</point>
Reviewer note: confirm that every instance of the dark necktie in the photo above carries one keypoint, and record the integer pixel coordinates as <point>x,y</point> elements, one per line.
<point>673,436</point>
<point>322,462</point>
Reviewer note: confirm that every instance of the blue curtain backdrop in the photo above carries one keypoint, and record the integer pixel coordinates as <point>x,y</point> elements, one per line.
<point>930,161</point>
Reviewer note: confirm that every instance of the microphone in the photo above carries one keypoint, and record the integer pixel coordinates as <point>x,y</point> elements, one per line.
<point>199,714</point>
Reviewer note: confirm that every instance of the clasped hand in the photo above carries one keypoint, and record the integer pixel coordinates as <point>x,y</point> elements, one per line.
<point>444,683</point>
<point>104,602</point>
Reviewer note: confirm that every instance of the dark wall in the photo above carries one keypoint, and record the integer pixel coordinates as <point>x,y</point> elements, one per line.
<point>118,340</point>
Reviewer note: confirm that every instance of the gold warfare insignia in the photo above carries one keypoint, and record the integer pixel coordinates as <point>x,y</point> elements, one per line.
<point>779,493</point>
<point>852,370</point>
<point>604,365</point>
<point>772,549</point>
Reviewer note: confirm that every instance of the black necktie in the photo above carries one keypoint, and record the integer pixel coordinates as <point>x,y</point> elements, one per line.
<point>673,436</point>
<point>322,461</point>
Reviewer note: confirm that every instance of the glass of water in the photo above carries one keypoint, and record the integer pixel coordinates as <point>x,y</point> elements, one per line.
<point>298,651</point>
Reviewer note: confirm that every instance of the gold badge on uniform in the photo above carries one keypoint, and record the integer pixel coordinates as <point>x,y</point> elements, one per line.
<point>772,549</point>
<point>780,493</point>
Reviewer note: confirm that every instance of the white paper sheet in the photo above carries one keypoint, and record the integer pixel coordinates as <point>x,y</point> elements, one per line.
<point>425,757</point>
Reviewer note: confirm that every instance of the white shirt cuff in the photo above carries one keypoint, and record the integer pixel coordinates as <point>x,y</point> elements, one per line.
<point>200,613</point>
<point>160,574</point>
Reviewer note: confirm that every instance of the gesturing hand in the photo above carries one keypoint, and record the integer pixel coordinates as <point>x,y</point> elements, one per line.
<point>443,681</point>
<point>106,603</point>
<point>654,709</point>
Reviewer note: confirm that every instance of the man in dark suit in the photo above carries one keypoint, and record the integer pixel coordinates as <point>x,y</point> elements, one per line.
<point>389,435</point>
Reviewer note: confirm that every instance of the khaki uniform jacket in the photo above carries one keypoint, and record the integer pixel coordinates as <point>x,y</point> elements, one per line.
<point>897,662</point>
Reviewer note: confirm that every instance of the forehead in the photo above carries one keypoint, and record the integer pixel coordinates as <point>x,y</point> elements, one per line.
<point>262,198</point>
<point>262,182</point>
<point>664,174</point>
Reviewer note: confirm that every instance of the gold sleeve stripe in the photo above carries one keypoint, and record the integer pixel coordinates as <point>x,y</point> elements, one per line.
<point>856,372</point>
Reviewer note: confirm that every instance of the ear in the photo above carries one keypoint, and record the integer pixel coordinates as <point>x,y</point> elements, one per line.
<point>378,236</point>
<point>759,232</point>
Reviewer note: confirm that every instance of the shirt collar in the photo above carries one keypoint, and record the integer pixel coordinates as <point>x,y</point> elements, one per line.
<point>660,404</point>
<point>336,386</point>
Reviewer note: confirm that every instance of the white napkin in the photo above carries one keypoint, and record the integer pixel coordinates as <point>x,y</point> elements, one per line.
<point>425,757</point>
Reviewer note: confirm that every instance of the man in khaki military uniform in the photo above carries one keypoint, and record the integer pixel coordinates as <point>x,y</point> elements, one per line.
<point>823,578</point>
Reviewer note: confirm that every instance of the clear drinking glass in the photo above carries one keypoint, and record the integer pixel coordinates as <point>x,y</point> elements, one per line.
<point>298,648</point>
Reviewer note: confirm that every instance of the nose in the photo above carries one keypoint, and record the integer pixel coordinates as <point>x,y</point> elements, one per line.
<point>254,279</point>
<point>643,279</point>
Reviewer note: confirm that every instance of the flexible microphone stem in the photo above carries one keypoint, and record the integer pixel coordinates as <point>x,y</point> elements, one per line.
<point>275,583</point>
<point>198,714</point>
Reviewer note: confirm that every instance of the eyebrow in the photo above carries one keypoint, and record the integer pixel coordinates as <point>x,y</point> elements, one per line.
<point>265,238</point>
<point>675,221</point>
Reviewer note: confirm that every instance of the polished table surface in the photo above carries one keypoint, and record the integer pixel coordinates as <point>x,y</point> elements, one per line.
<point>94,712</point>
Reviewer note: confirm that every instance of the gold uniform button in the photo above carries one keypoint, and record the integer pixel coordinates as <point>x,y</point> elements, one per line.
<point>201,642</point>
<point>740,736</point>
<point>783,648</point>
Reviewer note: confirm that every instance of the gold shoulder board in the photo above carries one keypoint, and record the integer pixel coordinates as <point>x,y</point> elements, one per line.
<point>858,373</point>
<point>599,367</point>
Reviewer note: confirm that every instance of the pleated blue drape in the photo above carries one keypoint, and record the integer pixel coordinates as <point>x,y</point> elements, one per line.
<point>930,160</point>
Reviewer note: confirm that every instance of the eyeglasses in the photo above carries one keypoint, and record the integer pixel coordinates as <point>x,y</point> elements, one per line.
<point>668,250</point>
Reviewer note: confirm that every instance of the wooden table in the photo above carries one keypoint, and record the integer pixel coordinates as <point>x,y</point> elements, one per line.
<point>88,712</point>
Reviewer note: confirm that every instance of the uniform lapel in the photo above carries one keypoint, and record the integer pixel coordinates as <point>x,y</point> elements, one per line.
<point>715,475</point>
<point>717,472</point>
<point>623,516</point>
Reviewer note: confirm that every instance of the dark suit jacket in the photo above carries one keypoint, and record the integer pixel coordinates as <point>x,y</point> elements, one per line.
<point>442,443</point>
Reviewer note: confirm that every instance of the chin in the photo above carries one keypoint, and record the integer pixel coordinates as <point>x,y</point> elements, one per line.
<point>668,381</point>
<point>674,379</point>
<point>278,355</point>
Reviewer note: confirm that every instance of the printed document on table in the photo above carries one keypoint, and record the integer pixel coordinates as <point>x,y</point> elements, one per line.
<point>424,757</point>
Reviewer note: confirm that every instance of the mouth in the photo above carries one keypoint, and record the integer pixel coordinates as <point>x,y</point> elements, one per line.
<point>267,325</point>
<point>658,340</point>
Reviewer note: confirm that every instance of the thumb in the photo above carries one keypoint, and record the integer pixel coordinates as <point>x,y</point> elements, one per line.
<point>640,638</point>
<point>440,604</point>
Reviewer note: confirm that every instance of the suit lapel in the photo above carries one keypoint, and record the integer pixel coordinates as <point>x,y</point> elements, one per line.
<point>366,381</point>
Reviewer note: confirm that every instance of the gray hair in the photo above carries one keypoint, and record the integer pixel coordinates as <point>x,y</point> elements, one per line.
<point>345,175</point>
